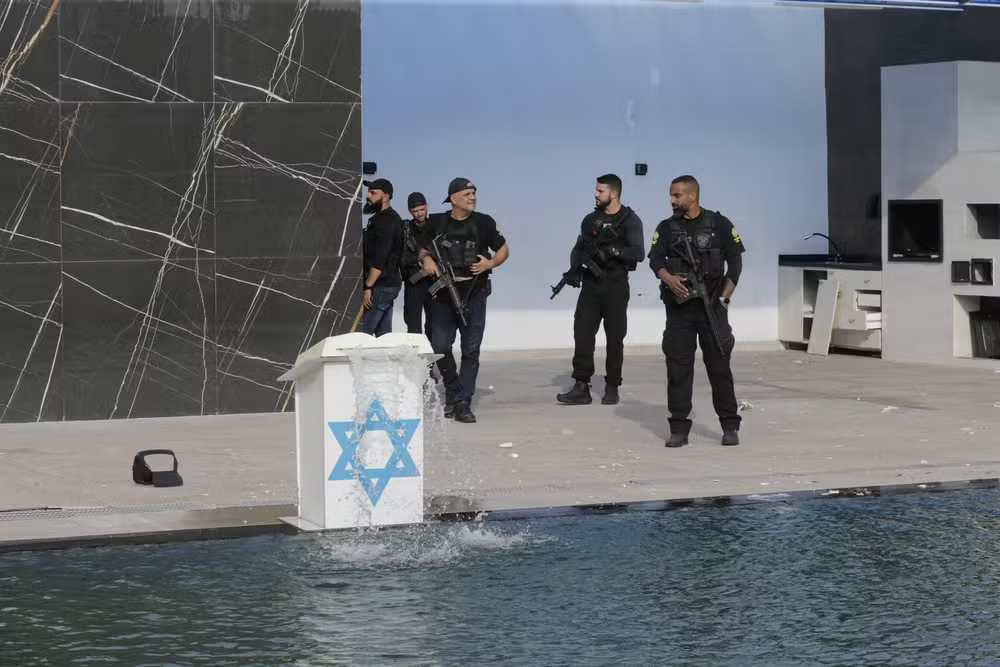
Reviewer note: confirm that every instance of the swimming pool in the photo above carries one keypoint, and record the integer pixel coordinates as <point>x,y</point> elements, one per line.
<point>902,580</point>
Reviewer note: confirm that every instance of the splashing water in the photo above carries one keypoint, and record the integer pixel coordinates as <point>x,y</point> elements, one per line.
<point>425,546</point>
<point>396,378</point>
<point>399,378</point>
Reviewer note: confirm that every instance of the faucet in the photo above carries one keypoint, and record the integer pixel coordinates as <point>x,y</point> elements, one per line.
<point>837,257</point>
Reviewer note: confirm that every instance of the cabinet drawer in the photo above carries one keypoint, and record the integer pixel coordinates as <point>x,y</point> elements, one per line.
<point>858,320</point>
<point>869,299</point>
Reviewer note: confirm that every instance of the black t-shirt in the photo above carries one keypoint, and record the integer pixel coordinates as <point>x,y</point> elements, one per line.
<point>382,243</point>
<point>479,227</point>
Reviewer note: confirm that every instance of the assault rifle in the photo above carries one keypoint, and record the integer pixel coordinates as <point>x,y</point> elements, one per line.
<point>574,275</point>
<point>696,290</point>
<point>446,280</point>
<point>588,249</point>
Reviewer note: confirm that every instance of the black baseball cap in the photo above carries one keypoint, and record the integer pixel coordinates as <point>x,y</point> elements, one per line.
<point>457,185</point>
<point>379,184</point>
<point>416,199</point>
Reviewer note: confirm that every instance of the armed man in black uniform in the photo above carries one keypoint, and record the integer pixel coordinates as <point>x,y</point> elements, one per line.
<point>416,283</point>
<point>609,246</point>
<point>693,315</point>
<point>459,255</point>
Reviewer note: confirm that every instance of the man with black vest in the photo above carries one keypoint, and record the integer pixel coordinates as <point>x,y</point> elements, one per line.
<point>465,239</point>
<point>416,283</point>
<point>717,247</point>
<point>609,246</point>
<point>382,246</point>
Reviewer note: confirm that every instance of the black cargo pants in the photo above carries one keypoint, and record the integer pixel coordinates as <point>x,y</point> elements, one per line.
<point>604,300</point>
<point>687,327</point>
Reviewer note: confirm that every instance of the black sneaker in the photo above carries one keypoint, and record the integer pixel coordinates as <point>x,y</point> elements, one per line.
<point>610,395</point>
<point>677,440</point>
<point>730,438</point>
<point>463,413</point>
<point>578,395</point>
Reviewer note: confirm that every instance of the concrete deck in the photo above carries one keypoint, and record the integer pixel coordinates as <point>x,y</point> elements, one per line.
<point>810,423</point>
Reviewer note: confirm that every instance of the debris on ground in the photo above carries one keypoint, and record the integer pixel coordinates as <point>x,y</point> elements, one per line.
<point>889,408</point>
<point>506,445</point>
<point>744,405</point>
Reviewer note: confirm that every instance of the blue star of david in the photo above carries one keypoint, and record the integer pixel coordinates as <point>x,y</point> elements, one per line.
<point>400,463</point>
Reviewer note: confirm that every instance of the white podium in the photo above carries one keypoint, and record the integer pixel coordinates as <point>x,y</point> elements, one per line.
<point>359,431</point>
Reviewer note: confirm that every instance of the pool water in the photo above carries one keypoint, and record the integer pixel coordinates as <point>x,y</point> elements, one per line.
<point>908,580</point>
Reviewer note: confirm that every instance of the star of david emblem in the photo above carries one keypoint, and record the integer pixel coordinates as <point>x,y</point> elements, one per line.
<point>400,463</point>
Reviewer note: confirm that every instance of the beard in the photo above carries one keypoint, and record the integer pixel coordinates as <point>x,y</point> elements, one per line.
<point>601,206</point>
<point>372,207</point>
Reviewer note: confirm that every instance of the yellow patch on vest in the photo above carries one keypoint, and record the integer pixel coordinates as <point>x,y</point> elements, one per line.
<point>656,237</point>
<point>736,235</point>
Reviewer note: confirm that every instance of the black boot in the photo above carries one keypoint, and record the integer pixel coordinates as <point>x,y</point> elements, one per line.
<point>449,408</point>
<point>677,440</point>
<point>463,413</point>
<point>578,395</point>
<point>730,438</point>
<point>610,395</point>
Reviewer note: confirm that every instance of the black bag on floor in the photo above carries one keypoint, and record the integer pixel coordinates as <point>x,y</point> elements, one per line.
<point>142,474</point>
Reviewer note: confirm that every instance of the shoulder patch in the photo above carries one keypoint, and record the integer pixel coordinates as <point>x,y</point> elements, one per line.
<point>656,237</point>
<point>736,235</point>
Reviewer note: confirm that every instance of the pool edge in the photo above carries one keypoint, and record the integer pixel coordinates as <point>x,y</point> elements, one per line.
<point>266,519</point>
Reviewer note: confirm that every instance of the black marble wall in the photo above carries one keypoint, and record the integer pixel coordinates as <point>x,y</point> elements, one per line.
<point>858,45</point>
<point>180,201</point>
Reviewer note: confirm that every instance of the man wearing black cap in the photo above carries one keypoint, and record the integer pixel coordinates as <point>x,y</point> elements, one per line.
<point>382,249</point>
<point>416,283</point>
<point>466,238</point>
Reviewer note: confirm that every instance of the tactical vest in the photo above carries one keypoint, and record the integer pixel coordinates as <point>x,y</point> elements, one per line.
<point>461,245</point>
<point>705,241</point>
<point>606,238</point>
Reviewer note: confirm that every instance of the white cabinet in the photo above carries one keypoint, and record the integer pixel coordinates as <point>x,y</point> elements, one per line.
<point>857,320</point>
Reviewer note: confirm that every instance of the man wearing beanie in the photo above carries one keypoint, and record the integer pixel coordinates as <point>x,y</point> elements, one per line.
<point>416,283</point>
